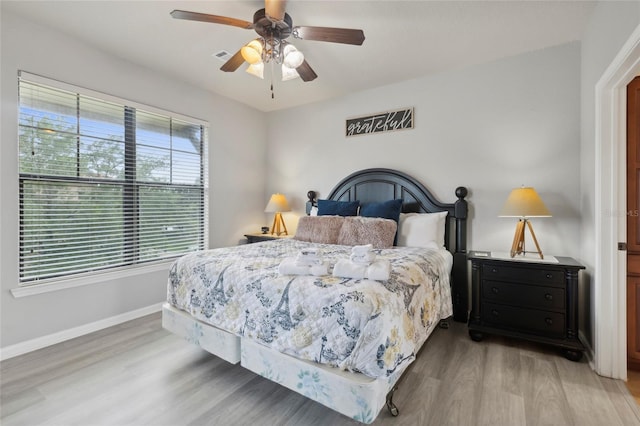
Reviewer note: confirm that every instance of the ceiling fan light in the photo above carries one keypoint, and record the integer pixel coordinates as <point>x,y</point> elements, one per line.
<point>252,52</point>
<point>288,48</point>
<point>293,58</point>
<point>257,69</point>
<point>289,73</point>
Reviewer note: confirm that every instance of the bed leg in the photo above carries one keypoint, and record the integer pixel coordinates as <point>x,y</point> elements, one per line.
<point>390,405</point>
<point>444,323</point>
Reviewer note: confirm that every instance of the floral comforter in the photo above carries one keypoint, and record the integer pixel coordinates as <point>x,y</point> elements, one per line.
<point>370,327</point>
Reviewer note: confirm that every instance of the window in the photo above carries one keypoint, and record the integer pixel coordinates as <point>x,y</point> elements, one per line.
<point>104,183</point>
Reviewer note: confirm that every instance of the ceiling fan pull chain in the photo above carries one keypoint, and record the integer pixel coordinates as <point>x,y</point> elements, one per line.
<point>272,94</point>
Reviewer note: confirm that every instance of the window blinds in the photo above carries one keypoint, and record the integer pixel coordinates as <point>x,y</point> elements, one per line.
<point>105,184</point>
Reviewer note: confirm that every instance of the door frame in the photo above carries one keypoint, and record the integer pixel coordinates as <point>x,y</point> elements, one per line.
<point>610,311</point>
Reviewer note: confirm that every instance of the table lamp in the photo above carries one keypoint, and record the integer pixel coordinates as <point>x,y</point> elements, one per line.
<point>524,203</point>
<point>277,204</point>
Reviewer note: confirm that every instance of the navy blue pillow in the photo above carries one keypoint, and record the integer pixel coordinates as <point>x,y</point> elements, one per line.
<point>338,208</point>
<point>387,209</point>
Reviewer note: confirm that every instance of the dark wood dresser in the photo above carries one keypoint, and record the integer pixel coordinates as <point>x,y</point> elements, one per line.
<point>529,300</point>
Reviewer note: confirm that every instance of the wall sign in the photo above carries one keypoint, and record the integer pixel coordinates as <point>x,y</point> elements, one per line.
<point>382,122</point>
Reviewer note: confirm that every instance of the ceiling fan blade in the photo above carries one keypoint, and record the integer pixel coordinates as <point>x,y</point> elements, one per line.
<point>275,8</point>
<point>233,63</point>
<point>333,35</point>
<point>214,19</point>
<point>306,72</point>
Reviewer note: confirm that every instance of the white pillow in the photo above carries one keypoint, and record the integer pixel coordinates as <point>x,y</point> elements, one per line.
<point>314,211</point>
<point>421,229</point>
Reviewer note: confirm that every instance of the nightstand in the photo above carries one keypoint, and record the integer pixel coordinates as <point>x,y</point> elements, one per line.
<point>532,300</point>
<point>256,238</point>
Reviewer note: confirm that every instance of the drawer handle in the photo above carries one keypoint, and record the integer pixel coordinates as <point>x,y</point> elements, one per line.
<point>495,313</point>
<point>495,290</point>
<point>494,270</point>
<point>549,276</point>
<point>549,321</point>
<point>548,296</point>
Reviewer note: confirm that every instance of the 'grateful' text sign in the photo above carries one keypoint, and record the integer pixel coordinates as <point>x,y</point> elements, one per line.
<point>381,122</point>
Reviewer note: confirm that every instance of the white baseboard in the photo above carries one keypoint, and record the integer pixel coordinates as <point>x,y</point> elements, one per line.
<point>61,336</point>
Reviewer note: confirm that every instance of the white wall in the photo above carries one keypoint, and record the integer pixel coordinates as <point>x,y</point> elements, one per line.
<point>610,26</point>
<point>490,128</point>
<point>237,169</point>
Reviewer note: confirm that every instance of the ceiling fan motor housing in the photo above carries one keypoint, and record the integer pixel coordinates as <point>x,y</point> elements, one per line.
<point>269,28</point>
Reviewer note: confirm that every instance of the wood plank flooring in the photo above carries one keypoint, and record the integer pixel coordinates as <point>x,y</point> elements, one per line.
<point>138,374</point>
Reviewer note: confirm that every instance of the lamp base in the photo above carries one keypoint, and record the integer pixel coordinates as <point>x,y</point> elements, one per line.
<point>277,221</point>
<point>518,239</point>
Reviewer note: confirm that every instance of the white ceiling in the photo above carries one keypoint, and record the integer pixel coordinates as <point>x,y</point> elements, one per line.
<point>404,39</point>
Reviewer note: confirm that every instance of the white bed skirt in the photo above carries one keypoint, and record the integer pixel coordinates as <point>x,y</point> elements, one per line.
<point>211,339</point>
<point>352,394</point>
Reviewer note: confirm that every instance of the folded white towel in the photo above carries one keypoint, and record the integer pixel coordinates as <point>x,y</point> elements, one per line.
<point>362,249</point>
<point>289,267</point>
<point>364,258</point>
<point>377,271</point>
<point>311,251</point>
<point>344,268</point>
<point>308,260</point>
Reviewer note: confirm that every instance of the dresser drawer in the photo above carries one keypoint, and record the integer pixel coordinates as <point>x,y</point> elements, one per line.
<point>549,276</point>
<point>531,320</point>
<point>528,296</point>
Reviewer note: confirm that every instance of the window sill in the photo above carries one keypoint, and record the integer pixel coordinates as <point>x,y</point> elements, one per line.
<point>88,279</point>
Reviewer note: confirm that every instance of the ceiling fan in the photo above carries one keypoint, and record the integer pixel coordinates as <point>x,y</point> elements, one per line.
<point>274,26</point>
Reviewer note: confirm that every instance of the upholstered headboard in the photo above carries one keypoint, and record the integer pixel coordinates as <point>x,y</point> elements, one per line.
<point>376,185</point>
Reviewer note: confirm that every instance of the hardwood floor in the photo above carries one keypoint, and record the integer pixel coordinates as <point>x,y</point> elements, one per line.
<point>139,374</point>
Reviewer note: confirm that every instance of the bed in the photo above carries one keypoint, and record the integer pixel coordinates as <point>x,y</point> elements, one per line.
<point>342,341</point>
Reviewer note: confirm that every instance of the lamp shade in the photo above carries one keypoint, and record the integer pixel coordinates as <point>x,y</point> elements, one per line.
<point>524,202</point>
<point>277,203</point>
<point>252,52</point>
<point>289,73</point>
<point>256,69</point>
<point>293,58</point>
